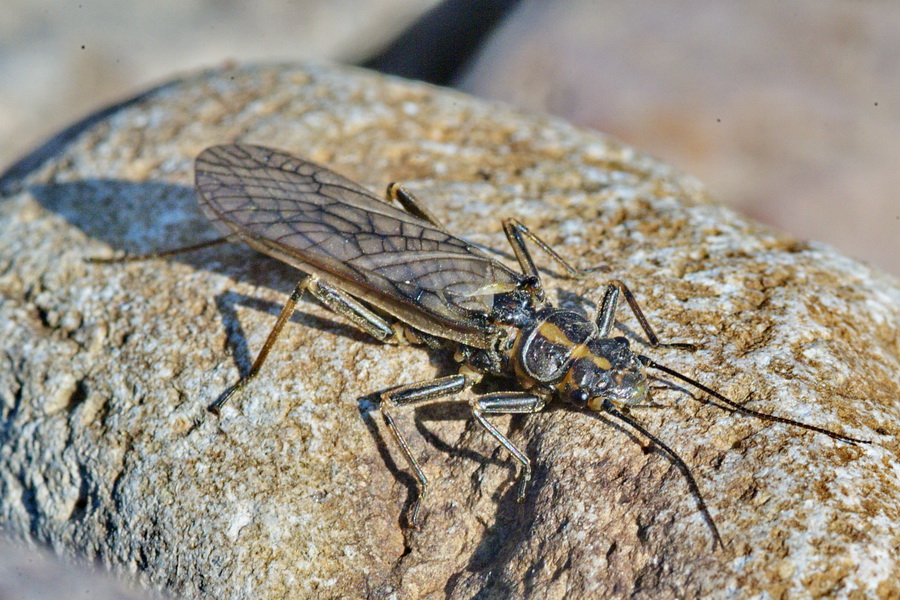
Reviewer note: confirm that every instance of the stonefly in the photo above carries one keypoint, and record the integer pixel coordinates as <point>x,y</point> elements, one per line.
<point>400,276</point>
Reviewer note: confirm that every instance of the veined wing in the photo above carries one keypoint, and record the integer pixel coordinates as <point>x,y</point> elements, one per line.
<point>318,221</point>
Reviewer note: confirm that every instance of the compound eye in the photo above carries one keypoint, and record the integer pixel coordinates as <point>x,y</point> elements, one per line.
<point>579,397</point>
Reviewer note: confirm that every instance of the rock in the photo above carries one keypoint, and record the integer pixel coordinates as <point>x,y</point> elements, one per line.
<point>297,489</point>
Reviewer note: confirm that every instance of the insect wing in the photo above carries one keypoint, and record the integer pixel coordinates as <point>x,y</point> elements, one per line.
<point>318,221</point>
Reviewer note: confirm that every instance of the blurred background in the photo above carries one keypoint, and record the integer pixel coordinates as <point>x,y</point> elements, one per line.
<point>788,111</point>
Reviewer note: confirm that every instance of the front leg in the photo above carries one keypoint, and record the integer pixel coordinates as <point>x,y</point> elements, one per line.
<point>606,315</point>
<point>516,233</point>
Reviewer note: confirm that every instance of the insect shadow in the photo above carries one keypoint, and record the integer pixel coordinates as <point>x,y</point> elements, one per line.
<point>502,541</point>
<point>135,217</point>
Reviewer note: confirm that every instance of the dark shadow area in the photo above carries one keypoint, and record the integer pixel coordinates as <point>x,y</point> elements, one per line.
<point>131,217</point>
<point>512,527</point>
<point>580,304</point>
<point>455,411</point>
<point>142,218</point>
<point>653,446</point>
<point>440,44</point>
<point>367,405</point>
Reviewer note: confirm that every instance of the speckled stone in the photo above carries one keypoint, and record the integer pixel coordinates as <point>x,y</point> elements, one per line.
<point>297,489</point>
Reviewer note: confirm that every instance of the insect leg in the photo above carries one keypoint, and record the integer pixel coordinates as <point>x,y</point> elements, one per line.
<point>515,231</point>
<point>410,395</point>
<point>163,254</point>
<point>606,315</point>
<point>503,403</point>
<point>411,204</point>
<point>283,318</point>
<point>350,308</point>
<point>335,299</point>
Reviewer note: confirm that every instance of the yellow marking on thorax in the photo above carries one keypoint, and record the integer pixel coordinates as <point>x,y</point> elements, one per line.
<point>578,352</point>
<point>582,351</point>
<point>554,334</point>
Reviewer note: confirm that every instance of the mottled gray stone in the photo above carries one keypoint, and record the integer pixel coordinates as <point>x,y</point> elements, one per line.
<point>297,490</point>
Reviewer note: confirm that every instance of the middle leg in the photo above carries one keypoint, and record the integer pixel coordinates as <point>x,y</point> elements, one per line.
<point>490,404</point>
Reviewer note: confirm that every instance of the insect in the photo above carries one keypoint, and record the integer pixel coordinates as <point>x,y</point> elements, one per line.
<point>397,274</point>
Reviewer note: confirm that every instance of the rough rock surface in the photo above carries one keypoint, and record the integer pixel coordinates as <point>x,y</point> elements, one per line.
<point>297,490</point>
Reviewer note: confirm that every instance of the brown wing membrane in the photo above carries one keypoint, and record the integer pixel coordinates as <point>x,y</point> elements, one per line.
<point>320,222</point>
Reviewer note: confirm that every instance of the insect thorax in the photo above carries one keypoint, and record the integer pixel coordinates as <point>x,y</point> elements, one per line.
<point>543,349</point>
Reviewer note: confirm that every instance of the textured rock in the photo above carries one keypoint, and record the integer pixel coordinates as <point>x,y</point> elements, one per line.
<point>297,490</point>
